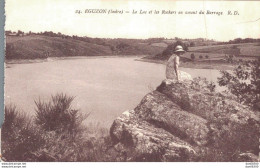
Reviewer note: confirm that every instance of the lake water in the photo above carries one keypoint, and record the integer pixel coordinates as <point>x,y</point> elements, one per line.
<point>106,87</point>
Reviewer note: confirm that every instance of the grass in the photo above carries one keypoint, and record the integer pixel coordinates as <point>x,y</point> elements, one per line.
<point>57,133</point>
<point>36,46</point>
<point>229,138</point>
<point>215,56</point>
<point>58,115</point>
<point>245,49</point>
<point>19,135</point>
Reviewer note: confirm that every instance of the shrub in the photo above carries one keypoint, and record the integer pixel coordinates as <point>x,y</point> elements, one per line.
<point>19,135</point>
<point>169,50</point>
<point>200,56</point>
<point>62,147</point>
<point>244,83</point>
<point>56,134</point>
<point>200,83</point>
<point>58,115</point>
<point>207,56</point>
<point>192,44</point>
<point>228,137</point>
<point>230,140</point>
<point>192,56</point>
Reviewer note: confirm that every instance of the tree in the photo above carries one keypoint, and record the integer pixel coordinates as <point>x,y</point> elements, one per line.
<point>192,56</point>
<point>169,50</point>
<point>229,58</point>
<point>200,56</point>
<point>244,83</point>
<point>192,44</point>
<point>207,56</point>
<point>20,33</point>
<point>237,40</point>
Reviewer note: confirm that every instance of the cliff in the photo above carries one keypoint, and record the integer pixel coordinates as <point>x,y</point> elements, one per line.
<point>186,121</point>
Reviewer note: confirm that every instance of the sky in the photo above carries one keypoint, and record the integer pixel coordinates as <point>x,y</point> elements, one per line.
<point>60,16</point>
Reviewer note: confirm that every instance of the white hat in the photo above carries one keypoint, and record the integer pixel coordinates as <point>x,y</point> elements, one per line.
<point>179,48</point>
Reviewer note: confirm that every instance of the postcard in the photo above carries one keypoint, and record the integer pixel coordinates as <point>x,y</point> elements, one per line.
<point>131,81</point>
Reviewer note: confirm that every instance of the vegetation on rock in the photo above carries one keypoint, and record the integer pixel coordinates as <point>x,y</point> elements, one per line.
<point>244,83</point>
<point>213,126</point>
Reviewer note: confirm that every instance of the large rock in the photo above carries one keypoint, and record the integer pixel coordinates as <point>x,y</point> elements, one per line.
<point>210,105</point>
<point>184,121</point>
<point>143,141</point>
<point>160,111</point>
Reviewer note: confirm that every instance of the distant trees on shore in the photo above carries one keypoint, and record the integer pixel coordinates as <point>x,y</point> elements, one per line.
<point>192,56</point>
<point>102,41</point>
<point>240,40</point>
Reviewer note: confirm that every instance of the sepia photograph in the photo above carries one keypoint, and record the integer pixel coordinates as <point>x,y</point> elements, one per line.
<point>131,81</point>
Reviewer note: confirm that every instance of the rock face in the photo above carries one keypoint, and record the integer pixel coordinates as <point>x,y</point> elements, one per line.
<point>183,122</point>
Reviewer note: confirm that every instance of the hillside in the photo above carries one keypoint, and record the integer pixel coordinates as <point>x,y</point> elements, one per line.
<point>218,56</point>
<point>186,122</point>
<point>245,49</point>
<point>42,46</point>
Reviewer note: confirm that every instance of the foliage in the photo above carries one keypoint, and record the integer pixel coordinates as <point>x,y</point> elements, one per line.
<point>58,115</point>
<point>229,58</point>
<point>200,83</point>
<point>19,135</point>
<point>170,49</point>
<point>56,134</point>
<point>36,45</point>
<point>63,147</point>
<point>228,136</point>
<point>192,56</point>
<point>244,83</point>
<point>192,44</point>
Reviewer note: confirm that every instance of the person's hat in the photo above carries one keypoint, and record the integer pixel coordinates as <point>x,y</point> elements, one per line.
<point>179,48</point>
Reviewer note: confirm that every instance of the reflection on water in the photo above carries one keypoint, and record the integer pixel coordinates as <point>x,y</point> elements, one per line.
<point>106,87</point>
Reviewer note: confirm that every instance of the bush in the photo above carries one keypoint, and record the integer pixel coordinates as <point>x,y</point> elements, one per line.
<point>56,134</point>
<point>58,115</point>
<point>200,83</point>
<point>19,135</point>
<point>192,44</point>
<point>192,56</point>
<point>62,147</point>
<point>169,50</point>
<point>244,83</point>
<point>228,138</point>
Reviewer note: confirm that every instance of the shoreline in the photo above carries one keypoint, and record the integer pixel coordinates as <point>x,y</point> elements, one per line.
<point>196,65</point>
<point>41,60</point>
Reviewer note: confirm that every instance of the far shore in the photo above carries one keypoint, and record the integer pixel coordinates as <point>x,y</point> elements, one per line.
<point>40,60</point>
<point>143,58</point>
<point>194,65</point>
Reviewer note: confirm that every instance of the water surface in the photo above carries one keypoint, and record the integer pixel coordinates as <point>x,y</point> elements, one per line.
<point>106,87</point>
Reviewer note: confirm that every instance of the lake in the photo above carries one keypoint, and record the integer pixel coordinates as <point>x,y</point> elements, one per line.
<point>104,86</point>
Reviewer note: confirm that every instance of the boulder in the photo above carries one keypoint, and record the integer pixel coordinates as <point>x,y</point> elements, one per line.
<point>143,141</point>
<point>185,121</point>
<point>160,111</point>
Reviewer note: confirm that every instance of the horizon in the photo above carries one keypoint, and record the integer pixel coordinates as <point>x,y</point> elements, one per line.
<point>59,16</point>
<point>174,38</point>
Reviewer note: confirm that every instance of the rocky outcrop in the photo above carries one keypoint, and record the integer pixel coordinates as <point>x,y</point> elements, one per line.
<point>185,121</point>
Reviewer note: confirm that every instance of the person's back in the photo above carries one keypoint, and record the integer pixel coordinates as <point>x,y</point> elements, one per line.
<point>171,66</point>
